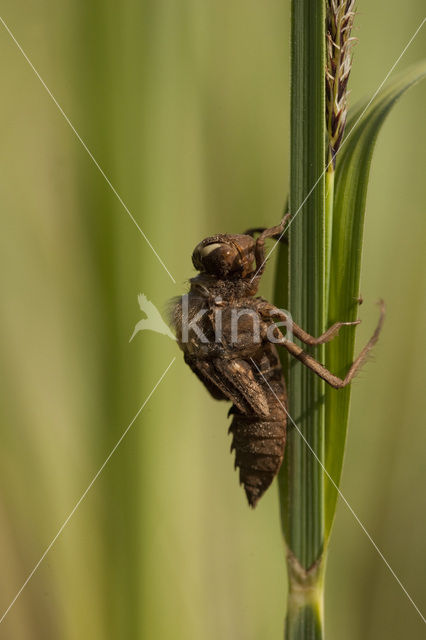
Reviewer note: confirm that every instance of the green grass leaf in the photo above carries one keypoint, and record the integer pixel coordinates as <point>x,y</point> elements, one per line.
<point>352,174</point>
<point>301,479</point>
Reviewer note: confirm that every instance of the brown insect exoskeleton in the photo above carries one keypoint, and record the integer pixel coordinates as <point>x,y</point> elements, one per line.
<point>229,339</point>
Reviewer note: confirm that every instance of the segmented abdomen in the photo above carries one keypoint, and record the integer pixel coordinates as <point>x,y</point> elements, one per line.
<point>258,440</point>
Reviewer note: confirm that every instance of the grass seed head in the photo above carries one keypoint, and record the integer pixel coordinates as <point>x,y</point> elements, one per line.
<point>339,22</point>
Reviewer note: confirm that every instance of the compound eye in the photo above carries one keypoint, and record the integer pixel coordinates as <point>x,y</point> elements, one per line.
<point>205,251</point>
<point>219,258</point>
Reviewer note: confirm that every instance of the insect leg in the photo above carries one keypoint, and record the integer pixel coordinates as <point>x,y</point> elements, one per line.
<point>269,311</point>
<point>259,250</point>
<point>325,374</point>
<point>328,335</point>
<point>251,232</point>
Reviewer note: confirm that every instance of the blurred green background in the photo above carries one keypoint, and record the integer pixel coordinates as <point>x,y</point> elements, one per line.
<point>185,105</point>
